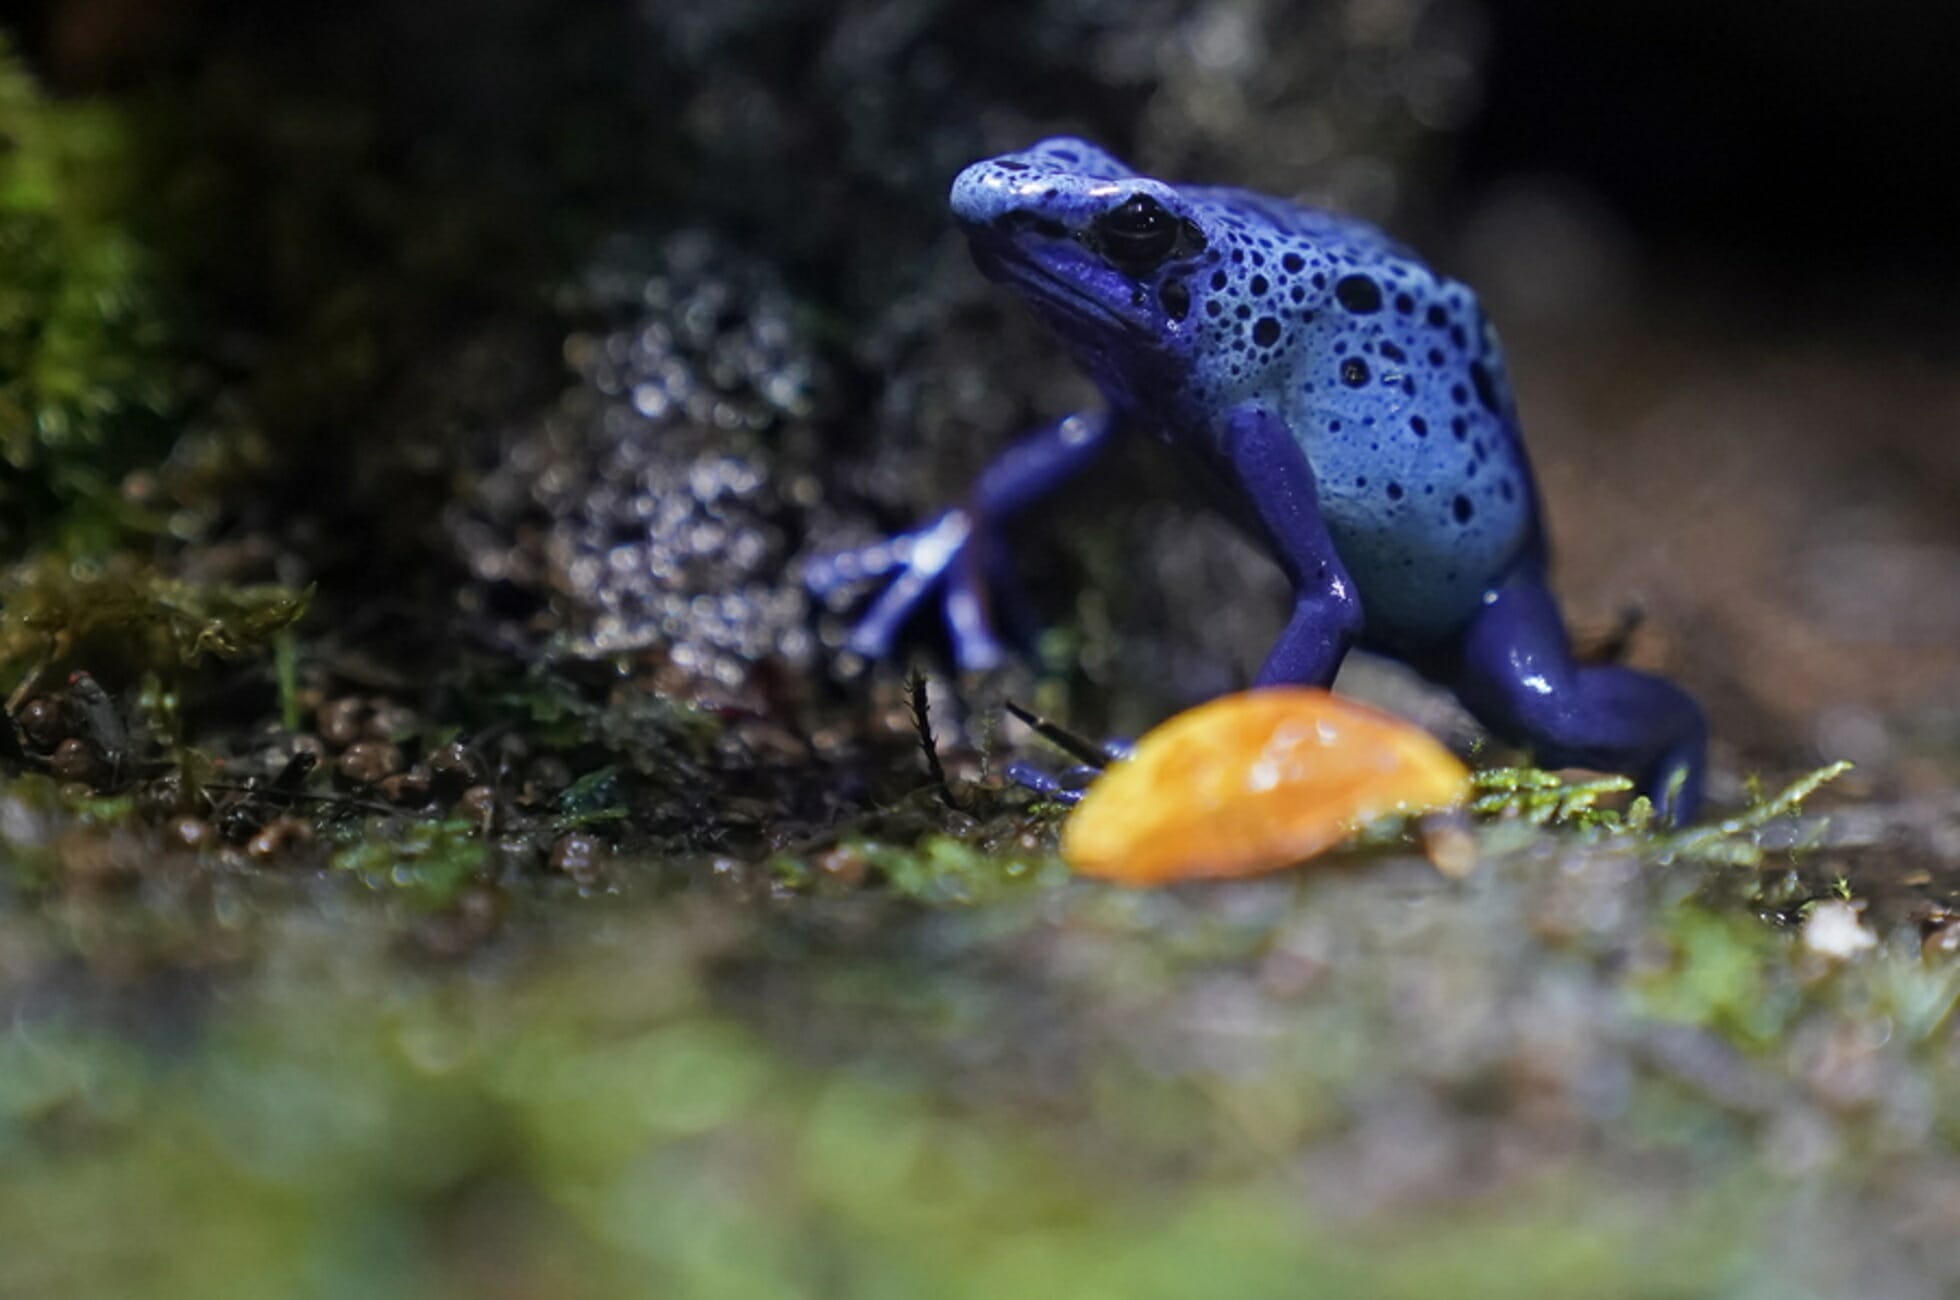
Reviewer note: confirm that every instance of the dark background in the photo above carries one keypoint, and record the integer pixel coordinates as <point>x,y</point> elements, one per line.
<point>1797,141</point>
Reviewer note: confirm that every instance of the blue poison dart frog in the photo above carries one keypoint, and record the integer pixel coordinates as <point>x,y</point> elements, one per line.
<point>1349,404</point>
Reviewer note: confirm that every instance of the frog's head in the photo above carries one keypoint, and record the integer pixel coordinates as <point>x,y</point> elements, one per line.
<point>1104,256</point>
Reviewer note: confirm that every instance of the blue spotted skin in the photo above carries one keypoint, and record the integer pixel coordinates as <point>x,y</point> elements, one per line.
<point>1386,373</point>
<point>1350,408</point>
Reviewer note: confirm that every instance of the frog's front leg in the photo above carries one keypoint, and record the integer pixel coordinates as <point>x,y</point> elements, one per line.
<point>1516,672</point>
<point>1278,484</point>
<point>950,558</point>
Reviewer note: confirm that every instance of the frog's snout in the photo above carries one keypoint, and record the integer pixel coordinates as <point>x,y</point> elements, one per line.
<point>986,191</point>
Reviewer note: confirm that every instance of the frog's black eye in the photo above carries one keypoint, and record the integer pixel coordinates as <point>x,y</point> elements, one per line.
<point>1136,234</point>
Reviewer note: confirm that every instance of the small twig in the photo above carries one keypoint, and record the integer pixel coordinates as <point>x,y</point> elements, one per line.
<point>18,696</point>
<point>1086,751</point>
<point>301,796</point>
<point>12,744</point>
<point>919,698</point>
<point>289,782</point>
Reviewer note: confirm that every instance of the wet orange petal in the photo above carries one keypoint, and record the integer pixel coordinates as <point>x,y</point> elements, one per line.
<point>1255,782</point>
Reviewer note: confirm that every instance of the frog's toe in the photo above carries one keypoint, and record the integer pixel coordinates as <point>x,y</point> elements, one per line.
<point>917,568</point>
<point>1068,788</point>
<point>975,647</point>
<point>828,574</point>
<point>877,630</point>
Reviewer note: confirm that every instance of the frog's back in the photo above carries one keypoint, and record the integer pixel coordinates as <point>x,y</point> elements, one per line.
<point>1333,231</point>
<point>1392,382</point>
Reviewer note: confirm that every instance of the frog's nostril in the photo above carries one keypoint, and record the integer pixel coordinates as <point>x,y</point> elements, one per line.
<point>985,192</point>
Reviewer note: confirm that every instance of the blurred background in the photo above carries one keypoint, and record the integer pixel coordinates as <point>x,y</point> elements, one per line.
<point>532,348</point>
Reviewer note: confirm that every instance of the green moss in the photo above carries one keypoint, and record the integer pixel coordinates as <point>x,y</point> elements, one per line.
<point>595,798</point>
<point>122,618</point>
<point>1547,799</point>
<point>1542,798</point>
<point>88,380</point>
<point>1738,840</point>
<point>428,863</point>
<point>1719,971</point>
<point>638,730</point>
<point>946,871</point>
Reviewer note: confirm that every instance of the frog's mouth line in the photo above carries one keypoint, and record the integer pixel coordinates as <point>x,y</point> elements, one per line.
<point>1004,261</point>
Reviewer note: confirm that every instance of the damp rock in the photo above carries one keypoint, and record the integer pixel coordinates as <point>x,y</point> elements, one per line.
<point>655,508</point>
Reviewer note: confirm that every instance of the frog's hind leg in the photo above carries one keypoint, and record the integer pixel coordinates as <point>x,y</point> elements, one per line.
<point>1515,671</point>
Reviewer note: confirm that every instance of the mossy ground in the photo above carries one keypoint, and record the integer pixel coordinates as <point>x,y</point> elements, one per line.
<point>1571,1073</point>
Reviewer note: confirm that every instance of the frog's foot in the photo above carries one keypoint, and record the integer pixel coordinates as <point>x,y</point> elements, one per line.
<point>1074,782</point>
<point>939,561</point>
<point>1066,788</point>
<point>952,559</point>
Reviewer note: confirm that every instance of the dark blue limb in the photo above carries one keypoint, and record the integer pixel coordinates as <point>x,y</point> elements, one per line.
<point>1516,673</point>
<point>1277,483</point>
<point>1068,788</point>
<point>952,557</point>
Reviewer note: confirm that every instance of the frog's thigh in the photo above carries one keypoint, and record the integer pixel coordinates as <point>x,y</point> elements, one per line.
<point>1515,671</point>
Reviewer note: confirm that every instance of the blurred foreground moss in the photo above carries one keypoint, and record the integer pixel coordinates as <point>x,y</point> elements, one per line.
<point>1067,1096</point>
<point>939,871</point>
<point>598,1128</point>
<point>1716,970</point>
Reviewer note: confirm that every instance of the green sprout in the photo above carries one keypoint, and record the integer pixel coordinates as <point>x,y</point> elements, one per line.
<point>1541,798</point>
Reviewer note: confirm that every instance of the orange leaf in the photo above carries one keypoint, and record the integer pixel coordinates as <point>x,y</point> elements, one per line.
<point>1255,782</point>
